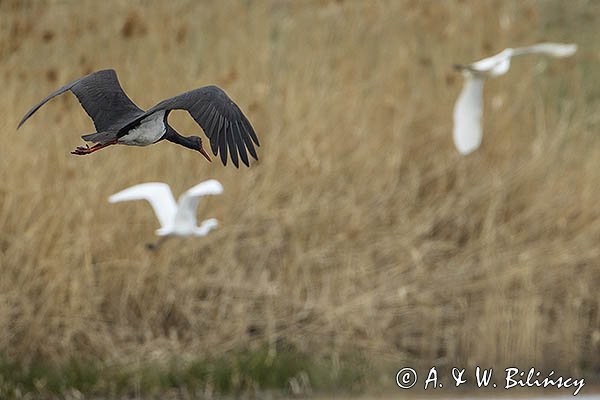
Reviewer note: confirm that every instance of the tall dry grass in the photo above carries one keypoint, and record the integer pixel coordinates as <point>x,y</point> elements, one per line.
<point>360,229</point>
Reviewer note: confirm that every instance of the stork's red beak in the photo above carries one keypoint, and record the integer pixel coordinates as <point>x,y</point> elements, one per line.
<point>204,153</point>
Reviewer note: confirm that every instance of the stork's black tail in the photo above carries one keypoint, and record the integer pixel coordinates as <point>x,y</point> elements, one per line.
<point>100,137</point>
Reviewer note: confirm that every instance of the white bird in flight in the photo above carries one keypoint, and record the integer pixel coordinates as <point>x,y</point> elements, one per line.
<point>176,219</point>
<point>468,108</point>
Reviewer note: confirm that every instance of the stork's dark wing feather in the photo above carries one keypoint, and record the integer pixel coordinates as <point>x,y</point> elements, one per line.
<point>221,119</point>
<point>102,98</point>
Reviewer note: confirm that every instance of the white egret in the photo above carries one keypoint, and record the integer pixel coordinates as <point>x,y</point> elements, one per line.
<point>176,219</point>
<point>468,109</point>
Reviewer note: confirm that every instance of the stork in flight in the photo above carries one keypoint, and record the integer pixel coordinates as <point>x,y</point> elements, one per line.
<point>119,121</point>
<point>468,109</point>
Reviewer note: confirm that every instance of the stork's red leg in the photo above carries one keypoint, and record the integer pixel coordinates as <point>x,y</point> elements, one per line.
<point>83,150</point>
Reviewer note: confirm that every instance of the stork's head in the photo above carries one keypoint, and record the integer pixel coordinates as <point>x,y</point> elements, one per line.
<point>197,142</point>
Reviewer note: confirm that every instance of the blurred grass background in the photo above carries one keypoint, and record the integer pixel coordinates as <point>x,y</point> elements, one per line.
<point>359,232</point>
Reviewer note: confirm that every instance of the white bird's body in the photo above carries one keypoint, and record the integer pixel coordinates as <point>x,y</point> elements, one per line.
<point>176,219</point>
<point>468,110</point>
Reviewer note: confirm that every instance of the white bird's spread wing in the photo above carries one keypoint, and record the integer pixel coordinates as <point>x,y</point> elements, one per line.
<point>157,194</point>
<point>499,64</point>
<point>558,50</point>
<point>495,65</point>
<point>467,116</point>
<point>189,200</point>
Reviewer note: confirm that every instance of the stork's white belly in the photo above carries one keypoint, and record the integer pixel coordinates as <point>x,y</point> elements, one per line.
<point>149,131</point>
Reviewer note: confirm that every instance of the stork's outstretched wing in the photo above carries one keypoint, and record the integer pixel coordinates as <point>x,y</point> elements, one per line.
<point>221,119</point>
<point>102,98</point>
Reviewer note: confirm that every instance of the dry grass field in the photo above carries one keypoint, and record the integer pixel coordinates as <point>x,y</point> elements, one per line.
<point>360,231</point>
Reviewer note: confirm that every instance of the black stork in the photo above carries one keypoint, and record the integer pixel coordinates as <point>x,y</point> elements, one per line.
<point>119,121</point>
